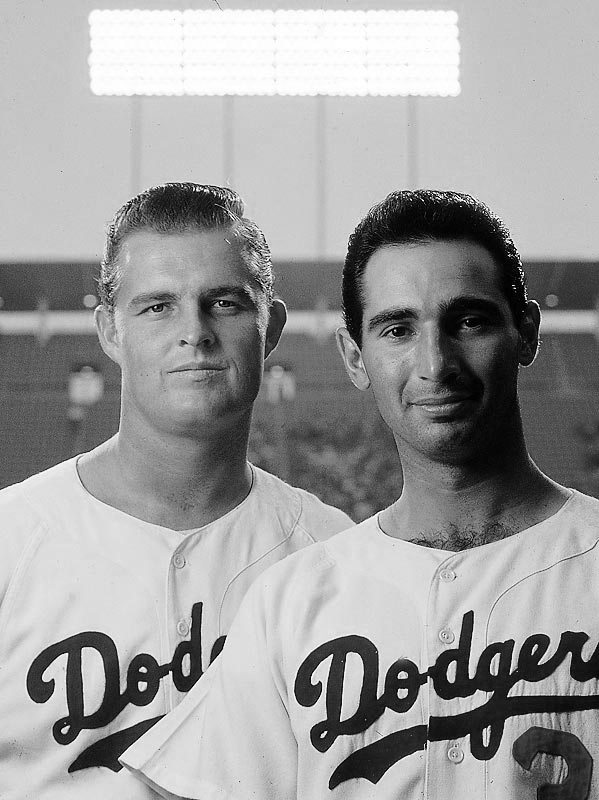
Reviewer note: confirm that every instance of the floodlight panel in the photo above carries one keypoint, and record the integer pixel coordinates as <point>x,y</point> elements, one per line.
<point>274,52</point>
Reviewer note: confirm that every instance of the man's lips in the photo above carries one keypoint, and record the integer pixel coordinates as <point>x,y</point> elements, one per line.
<point>194,366</point>
<point>442,405</point>
<point>440,400</point>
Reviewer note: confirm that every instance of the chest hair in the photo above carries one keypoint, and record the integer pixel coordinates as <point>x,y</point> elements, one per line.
<point>455,537</point>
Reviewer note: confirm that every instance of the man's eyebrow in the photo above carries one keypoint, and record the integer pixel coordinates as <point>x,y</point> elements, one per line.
<point>471,302</point>
<point>151,298</point>
<point>240,292</point>
<point>453,305</point>
<point>391,315</point>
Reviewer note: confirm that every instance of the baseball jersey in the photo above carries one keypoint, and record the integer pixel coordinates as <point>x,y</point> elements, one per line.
<point>107,621</point>
<point>370,667</point>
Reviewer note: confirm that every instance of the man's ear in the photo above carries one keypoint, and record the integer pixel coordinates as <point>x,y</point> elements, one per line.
<point>529,334</point>
<point>352,359</point>
<point>107,333</point>
<point>276,322</point>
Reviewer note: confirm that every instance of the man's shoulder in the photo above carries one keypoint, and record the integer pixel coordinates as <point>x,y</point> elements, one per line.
<point>32,494</point>
<point>25,512</point>
<point>290,595</point>
<point>586,500</point>
<point>580,508</point>
<point>313,565</point>
<point>314,517</point>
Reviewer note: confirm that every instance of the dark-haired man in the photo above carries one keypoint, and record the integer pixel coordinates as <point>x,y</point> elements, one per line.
<point>448,646</point>
<point>121,569</point>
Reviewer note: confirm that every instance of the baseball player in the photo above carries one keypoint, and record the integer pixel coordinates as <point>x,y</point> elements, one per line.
<point>121,569</point>
<point>448,647</point>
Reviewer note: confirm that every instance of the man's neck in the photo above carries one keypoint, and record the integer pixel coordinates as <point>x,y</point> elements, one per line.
<point>175,481</point>
<point>454,508</point>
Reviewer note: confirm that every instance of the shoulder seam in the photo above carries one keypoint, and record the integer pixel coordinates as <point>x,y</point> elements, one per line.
<point>244,569</point>
<point>6,605</point>
<point>262,555</point>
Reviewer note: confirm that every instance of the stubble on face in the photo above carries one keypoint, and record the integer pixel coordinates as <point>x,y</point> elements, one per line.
<point>440,349</point>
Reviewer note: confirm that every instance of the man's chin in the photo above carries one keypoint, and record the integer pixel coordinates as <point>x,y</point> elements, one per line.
<point>449,441</point>
<point>197,417</point>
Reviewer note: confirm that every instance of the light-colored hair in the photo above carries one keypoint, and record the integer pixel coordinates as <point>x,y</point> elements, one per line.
<point>177,208</point>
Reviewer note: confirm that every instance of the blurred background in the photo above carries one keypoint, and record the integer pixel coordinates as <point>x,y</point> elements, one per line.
<point>516,123</point>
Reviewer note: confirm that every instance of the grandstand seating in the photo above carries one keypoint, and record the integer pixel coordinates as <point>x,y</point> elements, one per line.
<point>580,356</point>
<point>34,433</point>
<point>29,364</point>
<point>552,424</point>
<point>35,429</point>
<point>303,284</point>
<point>558,393</point>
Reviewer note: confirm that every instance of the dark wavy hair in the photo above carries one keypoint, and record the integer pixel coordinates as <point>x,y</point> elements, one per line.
<point>180,207</point>
<point>423,215</point>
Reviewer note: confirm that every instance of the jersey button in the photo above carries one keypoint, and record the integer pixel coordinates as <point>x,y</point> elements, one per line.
<point>446,635</point>
<point>447,575</point>
<point>455,754</point>
<point>179,560</point>
<point>183,627</point>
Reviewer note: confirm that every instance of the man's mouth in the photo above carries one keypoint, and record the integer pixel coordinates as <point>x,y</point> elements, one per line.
<point>442,405</point>
<point>194,366</point>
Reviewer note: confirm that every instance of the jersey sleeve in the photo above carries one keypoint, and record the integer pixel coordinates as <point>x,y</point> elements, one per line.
<point>230,738</point>
<point>19,528</point>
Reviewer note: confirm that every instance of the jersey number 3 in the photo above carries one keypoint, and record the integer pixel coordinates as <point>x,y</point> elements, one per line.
<point>557,743</point>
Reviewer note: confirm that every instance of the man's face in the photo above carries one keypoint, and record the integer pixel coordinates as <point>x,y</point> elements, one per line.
<point>440,348</point>
<point>189,330</point>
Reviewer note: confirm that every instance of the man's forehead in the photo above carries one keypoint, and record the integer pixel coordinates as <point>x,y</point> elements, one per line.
<point>432,270</point>
<point>201,251</point>
<point>166,261</point>
<point>149,242</point>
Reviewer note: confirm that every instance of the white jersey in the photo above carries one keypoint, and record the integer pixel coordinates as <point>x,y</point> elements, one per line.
<point>370,667</point>
<point>106,621</point>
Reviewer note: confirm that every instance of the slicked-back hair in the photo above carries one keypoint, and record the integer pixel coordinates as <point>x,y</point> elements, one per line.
<point>428,215</point>
<point>178,208</point>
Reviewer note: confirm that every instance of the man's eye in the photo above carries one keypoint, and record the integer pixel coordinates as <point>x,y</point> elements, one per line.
<point>472,322</point>
<point>157,308</point>
<point>223,303</point>
<point>397,332</point>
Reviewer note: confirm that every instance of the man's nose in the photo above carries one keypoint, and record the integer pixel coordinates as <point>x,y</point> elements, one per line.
<point>436,355</point>
<point>196,328</point>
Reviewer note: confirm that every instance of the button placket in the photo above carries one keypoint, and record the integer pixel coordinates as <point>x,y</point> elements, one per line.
<point>446,635</point>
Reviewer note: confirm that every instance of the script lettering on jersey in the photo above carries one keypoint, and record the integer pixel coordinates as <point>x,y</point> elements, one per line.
<point>143,677</point>
<point>499,668</point>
